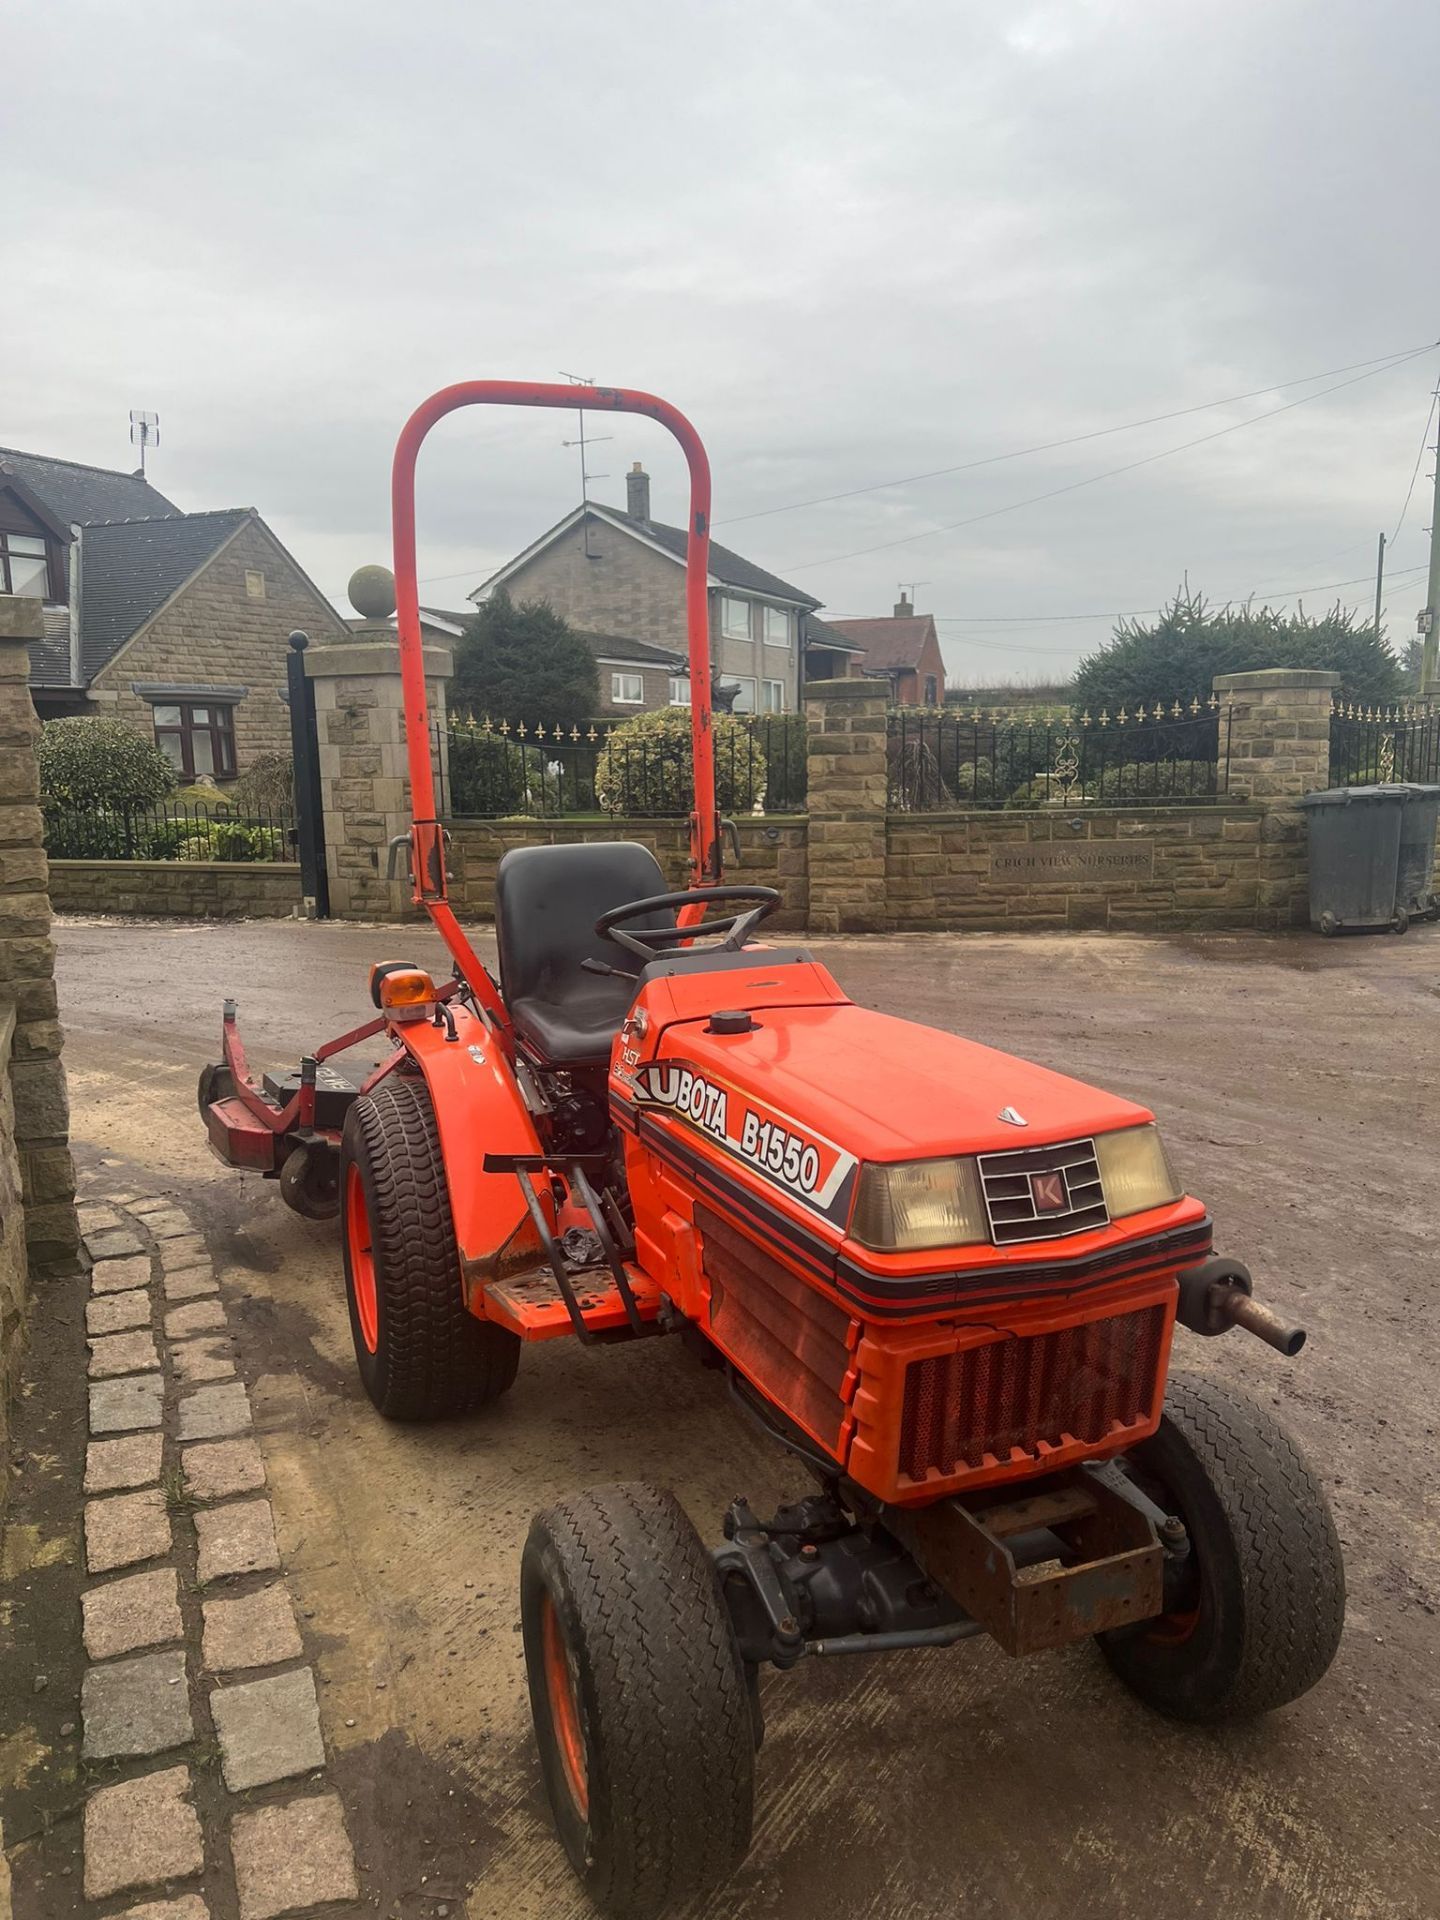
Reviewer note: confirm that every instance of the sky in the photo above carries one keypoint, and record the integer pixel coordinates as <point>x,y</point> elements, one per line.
<point>855,243</point>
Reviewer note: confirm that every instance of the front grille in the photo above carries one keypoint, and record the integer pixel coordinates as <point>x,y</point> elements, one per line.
<point>1010,1182</point>
<point>981,1407</point>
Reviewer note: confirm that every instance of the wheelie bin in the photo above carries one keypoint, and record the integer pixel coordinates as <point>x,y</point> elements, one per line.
<point>1415,888</point>
<point>1354,837</point>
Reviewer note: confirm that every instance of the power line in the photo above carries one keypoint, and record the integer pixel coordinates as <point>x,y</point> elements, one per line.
<point>1110,473</point>
<point>1124,613</point>
<point>1419,456</point>
<point>1073,440</point>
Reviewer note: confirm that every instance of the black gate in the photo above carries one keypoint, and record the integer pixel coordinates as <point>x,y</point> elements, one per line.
<point>309,806</point>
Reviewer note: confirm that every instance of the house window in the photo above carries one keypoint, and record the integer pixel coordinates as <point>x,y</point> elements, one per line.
<point>627,690</point>
<point>679,689</point>
<point>734,618</point>
<point>777,627</point>
<point>197,740</point>
<point>772,696</point>
<point>932,690</point>
<point>745,696</point>
<point>24,567</point>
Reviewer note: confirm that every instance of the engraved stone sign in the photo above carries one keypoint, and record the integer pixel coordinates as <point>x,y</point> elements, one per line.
<point>1082,860</point>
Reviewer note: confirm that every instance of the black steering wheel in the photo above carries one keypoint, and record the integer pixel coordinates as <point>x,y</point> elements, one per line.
<point>650,942</point>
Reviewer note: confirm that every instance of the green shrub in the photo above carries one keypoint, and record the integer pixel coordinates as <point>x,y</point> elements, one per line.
<point>492,775</point>
<point>266,786</point>
<point>91,762</point>
<point>783,738</point>
<point>645,769</point>
<point>230,840</point>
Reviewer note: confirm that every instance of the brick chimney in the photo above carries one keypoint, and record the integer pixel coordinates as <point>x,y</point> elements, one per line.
<point>637,493</point>
<point>904,611</point>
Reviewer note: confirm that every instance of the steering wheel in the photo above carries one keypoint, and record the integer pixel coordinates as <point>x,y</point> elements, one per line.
<point>650,942</point>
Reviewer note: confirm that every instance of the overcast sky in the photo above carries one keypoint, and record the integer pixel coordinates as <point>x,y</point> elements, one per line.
<point>853,241</point>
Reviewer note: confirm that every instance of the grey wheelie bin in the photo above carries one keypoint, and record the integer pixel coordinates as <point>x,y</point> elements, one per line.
<point>1415,890</point>
<point>1355,857</point>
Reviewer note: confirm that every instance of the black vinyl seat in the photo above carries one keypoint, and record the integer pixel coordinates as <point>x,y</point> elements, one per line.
<point>547,900</point>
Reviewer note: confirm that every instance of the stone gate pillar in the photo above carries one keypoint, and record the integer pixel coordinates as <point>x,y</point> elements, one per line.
<point>1277,724</point>
<point>360,720</point>
<point>847,782</point>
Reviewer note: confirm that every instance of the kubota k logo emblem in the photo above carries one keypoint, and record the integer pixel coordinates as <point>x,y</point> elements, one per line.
<point>1047,1190</point>
<point>1012,1118</point>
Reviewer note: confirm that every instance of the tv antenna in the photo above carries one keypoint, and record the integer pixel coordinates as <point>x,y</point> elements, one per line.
<point>144,432</point>
<point>585,380</point>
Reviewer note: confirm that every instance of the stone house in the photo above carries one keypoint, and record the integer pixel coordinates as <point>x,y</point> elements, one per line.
<point>174,622</point>
<point>611,574</point>
<point>904,649</point>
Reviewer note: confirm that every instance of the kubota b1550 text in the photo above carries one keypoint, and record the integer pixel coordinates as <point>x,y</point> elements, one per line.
<point>946,1280</point>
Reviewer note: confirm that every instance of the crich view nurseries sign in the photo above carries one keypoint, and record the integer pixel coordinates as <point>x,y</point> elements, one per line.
<point>1083,860</point>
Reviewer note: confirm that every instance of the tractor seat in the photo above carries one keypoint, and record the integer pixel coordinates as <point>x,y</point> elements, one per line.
<point>547,900</point>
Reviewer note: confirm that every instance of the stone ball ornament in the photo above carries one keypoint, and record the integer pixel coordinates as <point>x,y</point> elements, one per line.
<point>372,592</point>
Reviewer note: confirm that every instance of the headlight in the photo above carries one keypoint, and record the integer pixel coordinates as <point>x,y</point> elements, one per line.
<point>925,1203</point>
<point>1134,1171</point>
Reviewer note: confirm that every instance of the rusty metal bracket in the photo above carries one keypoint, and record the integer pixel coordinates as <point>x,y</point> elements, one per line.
<point>1103,1568</point>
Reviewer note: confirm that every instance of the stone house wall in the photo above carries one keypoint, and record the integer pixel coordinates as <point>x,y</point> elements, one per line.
<point>216,632</point>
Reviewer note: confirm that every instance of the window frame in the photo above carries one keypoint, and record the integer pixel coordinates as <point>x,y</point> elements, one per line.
<point>932,690</point>
<point>739,680</point>
<point>618,699</point>
<point>727,632</point>
<point>787,630</point>
<point>778,705</point>
<point>46,557</point>
<point>220,727</point>
<point>679,680</point>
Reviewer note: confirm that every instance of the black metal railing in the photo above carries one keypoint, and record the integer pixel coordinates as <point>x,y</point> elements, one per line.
<point>1148,756</point>
<point>496,769</point>
<point>168,830</point>
<point>1372,744</point>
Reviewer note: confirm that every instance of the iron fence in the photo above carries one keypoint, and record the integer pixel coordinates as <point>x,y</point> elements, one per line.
<point>497,769</point>
<point>1145,756</point>
<point>1373,744</point>
<point>168,830</point>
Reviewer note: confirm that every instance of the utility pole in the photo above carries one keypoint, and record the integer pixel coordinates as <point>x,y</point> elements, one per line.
<point>1379,583</point>
<point>1429,621</point>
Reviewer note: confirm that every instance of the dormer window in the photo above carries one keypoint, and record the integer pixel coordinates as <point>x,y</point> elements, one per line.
<point>24,565</point>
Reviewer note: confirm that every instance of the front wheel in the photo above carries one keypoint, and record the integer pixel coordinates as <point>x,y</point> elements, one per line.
<point>1259,1613</point>
<point>638,1693</point>
<point>422,1354</point>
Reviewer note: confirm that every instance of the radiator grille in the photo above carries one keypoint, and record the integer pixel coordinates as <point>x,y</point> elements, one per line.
<point>1022,1189</point>
<point>972,1409</point>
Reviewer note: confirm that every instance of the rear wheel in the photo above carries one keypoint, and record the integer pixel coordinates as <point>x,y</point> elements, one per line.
<point>1261,1604</point>
<point>638,1693</point>
<point>422,1354</point>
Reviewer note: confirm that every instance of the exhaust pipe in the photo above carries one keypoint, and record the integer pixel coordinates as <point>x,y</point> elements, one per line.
<point>1218,1295</point>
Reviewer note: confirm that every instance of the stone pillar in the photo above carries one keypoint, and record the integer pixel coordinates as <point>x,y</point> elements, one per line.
<point>360,719</point>
<point>35,1166</point>
<point>1279,731</point>
<point>847,782</point>
<point>1278,724</point>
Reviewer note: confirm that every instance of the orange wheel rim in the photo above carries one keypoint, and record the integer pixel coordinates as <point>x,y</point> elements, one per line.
<point>562,1695</point>
<point>362,1259</point>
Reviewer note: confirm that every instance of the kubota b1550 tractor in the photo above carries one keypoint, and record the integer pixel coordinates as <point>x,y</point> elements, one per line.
<point>944,1279</point>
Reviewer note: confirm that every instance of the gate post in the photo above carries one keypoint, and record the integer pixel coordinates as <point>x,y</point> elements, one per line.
<point>846,777</point>
<point>363,767</point>
<point>309,804</point>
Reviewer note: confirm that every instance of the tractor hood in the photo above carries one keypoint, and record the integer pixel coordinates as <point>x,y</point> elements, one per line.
<point>888,1089</point>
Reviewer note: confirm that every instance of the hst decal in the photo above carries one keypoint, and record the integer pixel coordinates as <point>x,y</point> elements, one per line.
<point>805,1164</point>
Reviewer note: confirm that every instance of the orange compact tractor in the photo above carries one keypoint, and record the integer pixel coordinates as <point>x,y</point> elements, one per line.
<point>944,1279</point>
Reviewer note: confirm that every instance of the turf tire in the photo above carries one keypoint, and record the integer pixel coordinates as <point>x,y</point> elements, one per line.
<point>664,1711</point>
<point>432,1358</point>
<point>1269,1595</point>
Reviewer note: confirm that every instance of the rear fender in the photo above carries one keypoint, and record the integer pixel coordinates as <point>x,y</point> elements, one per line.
<point>479,1109</point>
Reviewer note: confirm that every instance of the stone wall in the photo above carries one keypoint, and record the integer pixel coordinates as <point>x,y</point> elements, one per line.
<point>1121,871</point>
<point>219,632</point>
<point>34,1105</point>
<point>846,798</point>
<point>772,854</point>
<point>176,889</point>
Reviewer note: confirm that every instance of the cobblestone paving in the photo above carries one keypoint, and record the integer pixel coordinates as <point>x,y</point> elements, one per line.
<point>186,1673</point>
